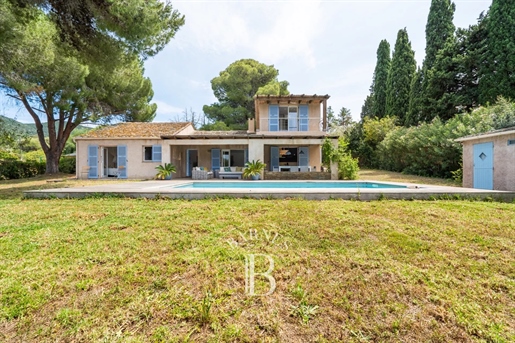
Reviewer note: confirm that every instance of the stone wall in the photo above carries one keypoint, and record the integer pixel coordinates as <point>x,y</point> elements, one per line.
<point>297,175</point>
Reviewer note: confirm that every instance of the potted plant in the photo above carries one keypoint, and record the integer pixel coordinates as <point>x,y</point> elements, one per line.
<point>164,172</point>
<point>253,169</point>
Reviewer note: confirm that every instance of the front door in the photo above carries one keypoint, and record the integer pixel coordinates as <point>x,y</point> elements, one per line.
<point>484,165</point>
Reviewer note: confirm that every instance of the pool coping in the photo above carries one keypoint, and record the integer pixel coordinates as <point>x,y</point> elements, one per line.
<point>166,189</point>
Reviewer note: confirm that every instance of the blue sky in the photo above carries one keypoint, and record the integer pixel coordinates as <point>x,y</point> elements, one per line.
<point>320,47</point>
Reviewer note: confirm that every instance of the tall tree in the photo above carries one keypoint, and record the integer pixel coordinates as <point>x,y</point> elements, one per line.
<point>235,88</point>
<point>498,70</point>
<point>56,82</point>
<point>439,32</point>
<point>379,83</point>
<point>367,108</point>
<point>415,99</point>
<point>439,28</point>
<point>400,77</point>
<point>453,81</point>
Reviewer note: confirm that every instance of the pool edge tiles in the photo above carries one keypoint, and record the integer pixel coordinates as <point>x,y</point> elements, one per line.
<point>288,185</point>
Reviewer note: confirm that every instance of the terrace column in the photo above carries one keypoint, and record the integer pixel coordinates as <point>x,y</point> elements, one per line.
<point>256,150</point>
<point>334,165</point>
<point>165,153</point>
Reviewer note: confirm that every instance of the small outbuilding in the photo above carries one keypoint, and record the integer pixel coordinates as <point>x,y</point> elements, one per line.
<point>489,160</point>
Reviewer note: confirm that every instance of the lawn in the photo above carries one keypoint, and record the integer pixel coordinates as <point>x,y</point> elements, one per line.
<point>118,270</point>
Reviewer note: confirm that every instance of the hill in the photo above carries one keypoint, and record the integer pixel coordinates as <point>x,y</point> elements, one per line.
<point>29,128</point>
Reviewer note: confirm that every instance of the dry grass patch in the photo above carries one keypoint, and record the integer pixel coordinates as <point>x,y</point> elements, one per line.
<point>174,271</point>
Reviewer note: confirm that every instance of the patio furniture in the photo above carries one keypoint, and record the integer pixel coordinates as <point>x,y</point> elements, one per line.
<point>197,174</point>
<point>230,173</point>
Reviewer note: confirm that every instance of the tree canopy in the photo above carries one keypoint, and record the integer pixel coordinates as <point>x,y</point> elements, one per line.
<point>54,80</point>
<point>235,88</point>
<point>498,67</point>
<point>143,27</point>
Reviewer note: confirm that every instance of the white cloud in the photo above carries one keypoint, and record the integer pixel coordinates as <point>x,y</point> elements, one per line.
<point>201,85</point>
<point>164,108</point>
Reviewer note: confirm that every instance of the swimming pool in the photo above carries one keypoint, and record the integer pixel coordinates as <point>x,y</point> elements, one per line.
<point>288,184</point>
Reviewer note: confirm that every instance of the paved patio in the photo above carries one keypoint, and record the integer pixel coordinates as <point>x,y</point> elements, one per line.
<point>167,189</point>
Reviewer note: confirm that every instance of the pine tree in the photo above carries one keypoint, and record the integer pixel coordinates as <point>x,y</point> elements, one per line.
<point>400,77</point>
<point>380,79</point>
<point>498,71</point>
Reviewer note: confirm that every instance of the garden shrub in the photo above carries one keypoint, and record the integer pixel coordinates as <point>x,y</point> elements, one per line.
<point>7,155</point>
<point>67,165</point>
<point>347,165</point>
<point>35,155</point>
<point>429,149</point>
<point>14,169</point>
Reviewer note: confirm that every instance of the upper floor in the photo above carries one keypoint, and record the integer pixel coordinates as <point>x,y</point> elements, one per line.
<point>289,113</point>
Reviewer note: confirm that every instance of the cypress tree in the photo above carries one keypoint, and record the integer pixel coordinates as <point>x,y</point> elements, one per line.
<point>415,99</point>
<point>439,31</point>
<point>400,77</point>
<point>498,71</point>
<point>439,28</point>
<point>380,79</point>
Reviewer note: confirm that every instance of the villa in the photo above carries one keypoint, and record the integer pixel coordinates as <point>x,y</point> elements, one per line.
<point>287,134</point>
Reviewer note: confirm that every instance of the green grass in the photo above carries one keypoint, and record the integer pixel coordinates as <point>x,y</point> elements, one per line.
<point>118,270</point>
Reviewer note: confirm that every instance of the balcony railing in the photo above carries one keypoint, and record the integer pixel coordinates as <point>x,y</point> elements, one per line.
<point>286,125</point>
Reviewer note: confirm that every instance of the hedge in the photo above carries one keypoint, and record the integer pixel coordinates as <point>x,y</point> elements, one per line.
<point>14,169</point>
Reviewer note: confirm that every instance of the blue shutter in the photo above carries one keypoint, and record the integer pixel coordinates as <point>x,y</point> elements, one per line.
<point>303,156</point>
<point>273,118</point>
<point>246,155</point>
<point>93,161</point>
<point>274,157</point>
<point>215,159</point>
<point>156,153</point>
<point>304,116</point>
<point>484,165</point>
<point>122,161</point>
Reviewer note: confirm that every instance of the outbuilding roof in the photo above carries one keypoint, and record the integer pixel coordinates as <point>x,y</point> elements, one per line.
<point>495,133</point>
<point>136,130</point>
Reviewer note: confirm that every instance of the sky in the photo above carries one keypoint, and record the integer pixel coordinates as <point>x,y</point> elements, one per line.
<point>319,47</point>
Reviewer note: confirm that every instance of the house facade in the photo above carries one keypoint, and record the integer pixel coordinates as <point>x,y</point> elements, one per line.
<point>489,160</point>
<point>287,134</point>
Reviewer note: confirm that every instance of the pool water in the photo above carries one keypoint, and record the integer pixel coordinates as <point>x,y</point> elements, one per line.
<point>290,184</point>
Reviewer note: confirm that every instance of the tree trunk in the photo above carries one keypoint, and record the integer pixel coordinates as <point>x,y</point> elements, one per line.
<point>52,163</point>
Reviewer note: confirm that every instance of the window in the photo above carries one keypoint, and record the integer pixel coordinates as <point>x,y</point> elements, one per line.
<point>152,153</point>
<point>233,158</point>
<point>511,141</point>
<point>287,156</point>
<point>288,118</point>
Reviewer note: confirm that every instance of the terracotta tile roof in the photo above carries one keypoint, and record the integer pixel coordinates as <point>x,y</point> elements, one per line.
<point>136,130</point>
